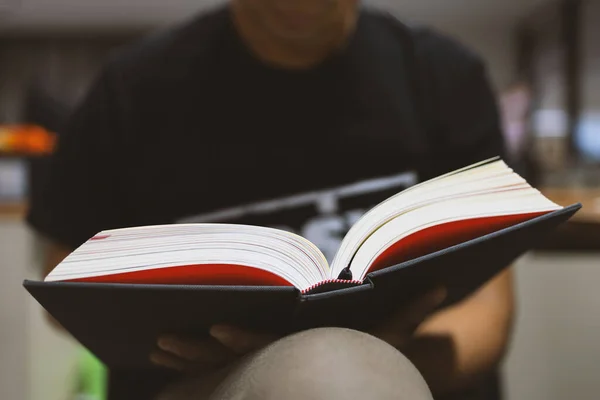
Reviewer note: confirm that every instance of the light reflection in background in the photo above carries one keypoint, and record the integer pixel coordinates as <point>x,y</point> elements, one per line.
<point>587,137</point>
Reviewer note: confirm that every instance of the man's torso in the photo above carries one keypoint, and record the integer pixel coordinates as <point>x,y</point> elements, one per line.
<point>233,141</point>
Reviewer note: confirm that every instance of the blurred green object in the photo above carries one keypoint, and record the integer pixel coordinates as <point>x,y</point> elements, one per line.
<point>91,379</point>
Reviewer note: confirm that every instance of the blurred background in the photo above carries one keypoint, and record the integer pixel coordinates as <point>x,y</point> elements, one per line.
<point>544,59</point>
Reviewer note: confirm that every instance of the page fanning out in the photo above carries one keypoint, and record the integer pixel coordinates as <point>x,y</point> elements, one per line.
<point>197,254</point>
<point>485,177</point>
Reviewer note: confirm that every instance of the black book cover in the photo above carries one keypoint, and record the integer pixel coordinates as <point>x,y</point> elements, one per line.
<point>120,323</point>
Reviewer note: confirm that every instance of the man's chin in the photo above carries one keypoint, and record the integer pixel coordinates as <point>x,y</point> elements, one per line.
<point>294,35</point>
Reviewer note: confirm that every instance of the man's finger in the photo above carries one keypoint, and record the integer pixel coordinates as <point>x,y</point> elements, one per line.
<point>167,360</point>
<point>207,351</point>
<point>423,306</point>
<point>240,341</point>
<point>401,326</point>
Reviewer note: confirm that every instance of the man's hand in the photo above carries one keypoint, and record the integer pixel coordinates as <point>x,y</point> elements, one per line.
<point>399,330</point>
<point>228,343</point>
<point>224,347</point>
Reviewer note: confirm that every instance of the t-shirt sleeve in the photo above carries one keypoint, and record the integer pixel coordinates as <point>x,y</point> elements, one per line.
<point>465,119</point>
<point>82,194</point>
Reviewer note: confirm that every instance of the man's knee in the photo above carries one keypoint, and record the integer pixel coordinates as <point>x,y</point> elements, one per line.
<point>323,364</point>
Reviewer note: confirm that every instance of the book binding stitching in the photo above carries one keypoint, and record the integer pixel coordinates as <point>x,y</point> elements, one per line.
<point>331,281</point>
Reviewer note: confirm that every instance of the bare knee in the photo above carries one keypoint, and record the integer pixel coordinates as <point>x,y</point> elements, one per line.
<point>322,364</point>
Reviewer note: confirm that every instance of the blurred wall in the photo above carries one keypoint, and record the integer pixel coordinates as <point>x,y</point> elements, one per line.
<point>554,353</point>
<point>14,261</point>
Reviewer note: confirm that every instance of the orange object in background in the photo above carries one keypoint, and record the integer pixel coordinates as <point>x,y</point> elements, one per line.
<point>26,140</point>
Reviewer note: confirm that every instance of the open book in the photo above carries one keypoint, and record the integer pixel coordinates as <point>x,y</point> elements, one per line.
<point>423,219</point>
<point>122,288</point>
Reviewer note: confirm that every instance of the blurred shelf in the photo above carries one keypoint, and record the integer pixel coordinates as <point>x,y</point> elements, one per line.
<point>582,232</point>
<point>588,197</point>
<point>10,210</point>
<point>23,156</point>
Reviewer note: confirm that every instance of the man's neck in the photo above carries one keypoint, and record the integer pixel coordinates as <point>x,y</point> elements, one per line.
<point>290,54</point>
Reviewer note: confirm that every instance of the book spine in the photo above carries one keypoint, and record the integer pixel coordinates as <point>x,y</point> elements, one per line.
<point>330,282</point>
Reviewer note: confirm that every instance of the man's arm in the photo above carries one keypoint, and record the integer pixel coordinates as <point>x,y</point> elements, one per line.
<point>459,345</point>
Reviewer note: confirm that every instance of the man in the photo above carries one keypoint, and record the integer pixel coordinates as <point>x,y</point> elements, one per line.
<point>299,114</point>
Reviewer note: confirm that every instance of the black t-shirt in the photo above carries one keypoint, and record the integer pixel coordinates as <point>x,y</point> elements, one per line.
<point>187,126</point>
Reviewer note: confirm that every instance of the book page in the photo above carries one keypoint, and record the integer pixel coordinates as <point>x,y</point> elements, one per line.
<point>209,254</point>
